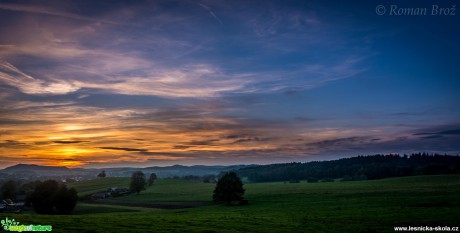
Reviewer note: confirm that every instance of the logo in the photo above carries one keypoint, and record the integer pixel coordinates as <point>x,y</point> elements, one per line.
<point>13,225</point>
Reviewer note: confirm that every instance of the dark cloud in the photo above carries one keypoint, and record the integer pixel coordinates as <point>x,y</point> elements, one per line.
<point>432,137</point>
<point>170,154</point>
<point>246,140</point>
<point>12,144</point>
<point>21,122</point>
<point>123,149</point>
<point>193,117</point>
<point>251,139</point>
<point>447,131</point>
<point>241,138</point>
<point>69,141</point>
<point>42,143</point>
<point>401,144</point>
<point>450,132</point>
<point>337,142</point>
<point>209,142</point>
<point>181,147</point>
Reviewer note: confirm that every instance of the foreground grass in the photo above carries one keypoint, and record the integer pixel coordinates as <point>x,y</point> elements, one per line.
<point>361,206</point>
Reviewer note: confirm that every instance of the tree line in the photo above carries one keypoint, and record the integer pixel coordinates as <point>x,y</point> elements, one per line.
<point>356,168</point>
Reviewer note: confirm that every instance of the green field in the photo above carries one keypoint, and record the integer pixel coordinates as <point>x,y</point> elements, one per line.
<point>96,185</point>
<point>358,206</point>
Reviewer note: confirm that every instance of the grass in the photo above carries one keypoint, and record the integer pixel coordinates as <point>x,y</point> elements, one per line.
<point>358,206</point>
<point>99,184</point>
<point>174,190</point>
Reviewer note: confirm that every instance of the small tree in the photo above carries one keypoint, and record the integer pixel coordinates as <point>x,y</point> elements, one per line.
<point>228,188</point>
<point>152,178</point>
<point>102,174</point>
<point>138,182</point>
<point>209,179</point>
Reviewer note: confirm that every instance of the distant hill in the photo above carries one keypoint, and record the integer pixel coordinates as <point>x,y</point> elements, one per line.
<point>31,170</point>
<point>33,167</point>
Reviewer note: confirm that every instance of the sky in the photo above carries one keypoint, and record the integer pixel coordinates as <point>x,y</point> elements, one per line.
<point>155,83</point>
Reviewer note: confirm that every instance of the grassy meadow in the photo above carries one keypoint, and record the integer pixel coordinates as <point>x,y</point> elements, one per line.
<point>355,206</point>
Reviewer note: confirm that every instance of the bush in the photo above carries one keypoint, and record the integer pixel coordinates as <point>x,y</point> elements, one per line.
<point>327,180</point>
<point>65,200</point>
<point>49,197</point>
<point>312,180</point>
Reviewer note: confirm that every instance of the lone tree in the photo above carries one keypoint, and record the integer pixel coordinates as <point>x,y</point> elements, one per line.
<point>152,178</point>
<point>138,182</point>
<point>49,197</point>
<point>228,188</point>
<point>102,174</point>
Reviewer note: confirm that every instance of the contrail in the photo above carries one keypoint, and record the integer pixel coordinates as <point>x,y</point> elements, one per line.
<point>211,12</point>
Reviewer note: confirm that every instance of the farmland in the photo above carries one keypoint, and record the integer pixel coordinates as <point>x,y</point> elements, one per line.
<point>355,206</point>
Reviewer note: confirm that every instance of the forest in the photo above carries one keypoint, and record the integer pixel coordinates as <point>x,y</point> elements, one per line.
<point>355,168</point>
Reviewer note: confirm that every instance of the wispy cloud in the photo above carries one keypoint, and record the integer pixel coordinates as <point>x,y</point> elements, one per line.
<point>196,81</point>
<point>211,12</point>
<point>193,81</point>
<point>50,11</point>
<point>11,75</point>
<point>91,56</point>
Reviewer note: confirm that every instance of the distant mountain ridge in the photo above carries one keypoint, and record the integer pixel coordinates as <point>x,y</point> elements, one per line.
<point>352,168</point>
<point>162,172</point>
<point>33,167</point>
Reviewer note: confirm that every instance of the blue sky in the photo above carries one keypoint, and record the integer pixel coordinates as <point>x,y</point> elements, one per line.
<point>101,84</point>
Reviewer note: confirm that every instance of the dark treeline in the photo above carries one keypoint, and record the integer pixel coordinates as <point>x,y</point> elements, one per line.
<point>356,168</point>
